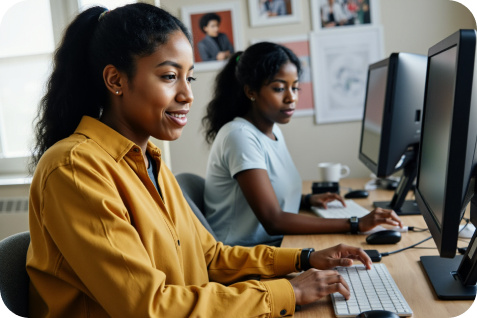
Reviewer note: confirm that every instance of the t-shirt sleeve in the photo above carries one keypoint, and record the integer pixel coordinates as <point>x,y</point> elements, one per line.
<point>243,151</point>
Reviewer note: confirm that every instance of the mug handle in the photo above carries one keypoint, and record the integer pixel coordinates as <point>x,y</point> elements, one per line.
<point>344,171</point>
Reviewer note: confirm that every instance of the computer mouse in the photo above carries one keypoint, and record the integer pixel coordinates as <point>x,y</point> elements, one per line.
<point>356,194</point>
<point>377,314</point>
<point>384,237</point>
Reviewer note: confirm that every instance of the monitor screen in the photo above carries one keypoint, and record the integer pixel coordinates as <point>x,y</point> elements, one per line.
<point>373,115</point>
<point>447,161</point>
<point>436,137</point>
<point>391,123</point>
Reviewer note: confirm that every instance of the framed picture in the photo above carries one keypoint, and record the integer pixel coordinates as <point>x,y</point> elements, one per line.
<point>214,29</point>
<point>300,45</point>
<point>340,69</point>
<point>331,14</point>
<point>269,12</point>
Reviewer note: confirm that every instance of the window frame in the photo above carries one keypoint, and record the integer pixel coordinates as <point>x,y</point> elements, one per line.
<point>14,170</point>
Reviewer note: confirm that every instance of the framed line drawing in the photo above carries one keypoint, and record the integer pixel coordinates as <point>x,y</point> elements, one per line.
<point>340,63</point>
<point>215,33</point>
<point>332,14</point>
<point>272,12</point>
<point>300,45</point>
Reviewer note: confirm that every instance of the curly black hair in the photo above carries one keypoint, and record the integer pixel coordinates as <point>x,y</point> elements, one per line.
<point>206,18</point>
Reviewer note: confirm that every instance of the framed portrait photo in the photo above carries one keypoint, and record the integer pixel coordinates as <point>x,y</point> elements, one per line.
<point>215,32</point>
<point>340,63</point>
<point>270,12</point>
<point>332,14</point>
<point>300,45</point>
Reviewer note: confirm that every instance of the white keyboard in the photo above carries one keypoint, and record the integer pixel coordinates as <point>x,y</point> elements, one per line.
<point>336,210</point>
<point>370,290</point>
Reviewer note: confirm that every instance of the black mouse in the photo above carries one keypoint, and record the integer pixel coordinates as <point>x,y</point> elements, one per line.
<point>356,194</point>
<point>377,314</point>
<point>384,237</point>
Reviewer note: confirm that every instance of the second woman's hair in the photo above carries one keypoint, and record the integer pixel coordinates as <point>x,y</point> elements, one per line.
<point>254,67</point>
<point>96,38</point>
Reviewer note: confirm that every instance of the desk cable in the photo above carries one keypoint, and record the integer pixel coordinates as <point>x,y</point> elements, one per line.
<point>406,248</point>
<point>415,229</point>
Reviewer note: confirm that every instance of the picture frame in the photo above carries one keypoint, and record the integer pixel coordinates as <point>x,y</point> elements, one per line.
<point>300,45</point>
<point>349,14</point>
<point>264,12</point>
<point>206,50</point>
<point>339,69</point>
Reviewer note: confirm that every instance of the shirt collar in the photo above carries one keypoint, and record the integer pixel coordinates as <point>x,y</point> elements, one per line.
<point>115,144</point>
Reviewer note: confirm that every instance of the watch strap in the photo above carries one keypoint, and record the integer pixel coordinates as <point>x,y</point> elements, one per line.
<point>305,258</point>
<point>354,222</point>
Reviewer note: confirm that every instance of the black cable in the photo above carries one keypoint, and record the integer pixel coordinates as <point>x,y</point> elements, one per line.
<point>416,229</point>
<point>406,248</point>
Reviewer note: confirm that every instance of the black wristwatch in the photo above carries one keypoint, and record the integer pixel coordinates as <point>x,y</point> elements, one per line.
<point>307,202</point>
<point>305,258</point>
<point>354,224</point>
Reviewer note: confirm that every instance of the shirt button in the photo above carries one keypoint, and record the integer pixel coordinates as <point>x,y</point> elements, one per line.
<point>136,150</point>
<point>283,312</point>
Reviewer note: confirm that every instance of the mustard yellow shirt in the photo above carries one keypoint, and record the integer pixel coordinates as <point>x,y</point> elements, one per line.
<point>104,243</point>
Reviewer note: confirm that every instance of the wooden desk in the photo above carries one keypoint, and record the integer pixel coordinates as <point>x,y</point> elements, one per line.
<point>404,267</point>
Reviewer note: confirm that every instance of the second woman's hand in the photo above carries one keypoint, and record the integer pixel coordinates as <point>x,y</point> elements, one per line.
<point>321,200</point>
<point>377,217</point>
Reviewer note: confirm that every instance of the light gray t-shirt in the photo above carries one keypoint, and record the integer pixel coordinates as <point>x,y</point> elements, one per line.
<point>240,146</point>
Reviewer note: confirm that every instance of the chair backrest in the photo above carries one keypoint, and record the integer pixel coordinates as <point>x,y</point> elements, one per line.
<point>192,187</point>
<point>14,280</point>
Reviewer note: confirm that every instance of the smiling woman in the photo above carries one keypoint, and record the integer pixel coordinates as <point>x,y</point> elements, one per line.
<point>124,241</point>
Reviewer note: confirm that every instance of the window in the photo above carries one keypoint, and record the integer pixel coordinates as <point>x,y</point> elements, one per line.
<point>29,33</point>
<point>25,58</point>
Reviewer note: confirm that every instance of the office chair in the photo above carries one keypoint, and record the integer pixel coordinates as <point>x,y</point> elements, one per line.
<point>192,187</point>
<point>14,280</point>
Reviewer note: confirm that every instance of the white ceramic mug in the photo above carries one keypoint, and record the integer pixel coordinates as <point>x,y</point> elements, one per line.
<point>332,172</point>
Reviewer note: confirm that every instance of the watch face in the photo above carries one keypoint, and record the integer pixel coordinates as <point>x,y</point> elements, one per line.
<point>354,224</point>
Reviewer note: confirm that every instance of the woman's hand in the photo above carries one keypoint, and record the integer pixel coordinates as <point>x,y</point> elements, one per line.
<point>339,255</point>
<point>313,284</point>
<point>378,216</point>
<point>320,200</point>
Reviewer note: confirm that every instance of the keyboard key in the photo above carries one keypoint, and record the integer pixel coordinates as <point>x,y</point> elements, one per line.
<point>336,210</point>
<point>370,290</point>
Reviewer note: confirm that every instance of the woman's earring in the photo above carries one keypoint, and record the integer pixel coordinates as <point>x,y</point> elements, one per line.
<point>252,99</point>
<point>117,92</point>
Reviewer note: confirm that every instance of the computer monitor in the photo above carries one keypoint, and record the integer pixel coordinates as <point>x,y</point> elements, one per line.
<point>447,161</point>
<point>391,126</point>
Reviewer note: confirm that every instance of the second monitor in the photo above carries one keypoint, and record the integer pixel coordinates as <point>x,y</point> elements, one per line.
<point>391,126</point>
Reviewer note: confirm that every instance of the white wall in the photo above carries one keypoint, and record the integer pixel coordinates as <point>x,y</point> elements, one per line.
<point>408,26</point>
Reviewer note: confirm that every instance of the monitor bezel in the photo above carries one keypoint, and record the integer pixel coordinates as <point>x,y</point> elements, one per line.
<point>401,117</point>
<point>445,234</point>
<point>379,169</point>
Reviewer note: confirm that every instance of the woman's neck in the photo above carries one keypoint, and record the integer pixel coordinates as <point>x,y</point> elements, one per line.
<point>265,126</point>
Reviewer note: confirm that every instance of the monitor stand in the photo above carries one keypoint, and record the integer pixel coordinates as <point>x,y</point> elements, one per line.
<point>398,204</point>
<point>456,278</point>
<point>446,283</point>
